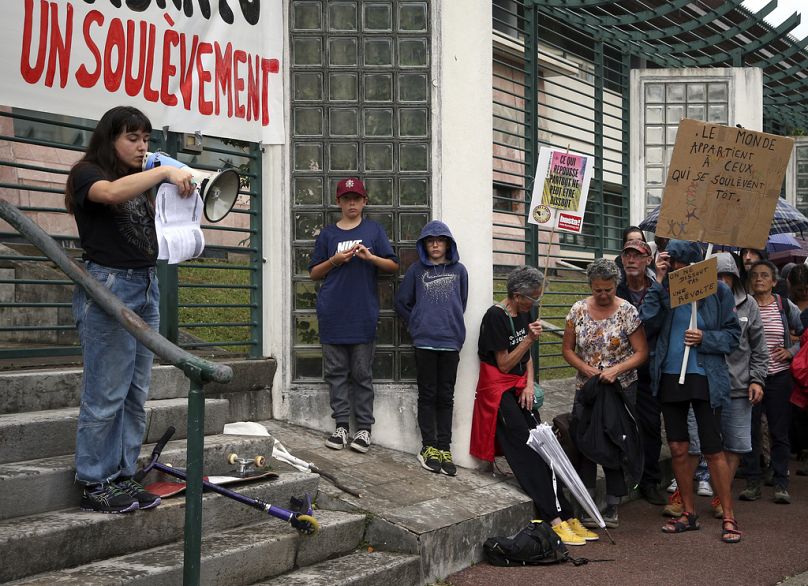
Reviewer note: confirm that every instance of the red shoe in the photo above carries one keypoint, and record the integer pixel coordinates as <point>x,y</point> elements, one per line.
<point>718,510</point>
<point>675,506</point>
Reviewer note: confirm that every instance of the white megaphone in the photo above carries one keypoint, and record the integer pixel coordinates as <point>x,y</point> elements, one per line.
<point>218,189</point>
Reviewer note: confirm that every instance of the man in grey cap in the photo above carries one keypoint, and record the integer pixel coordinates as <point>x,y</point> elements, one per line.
<point>636,259</point>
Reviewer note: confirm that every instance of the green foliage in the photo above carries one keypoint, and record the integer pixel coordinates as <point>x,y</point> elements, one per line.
<point>210,295</point>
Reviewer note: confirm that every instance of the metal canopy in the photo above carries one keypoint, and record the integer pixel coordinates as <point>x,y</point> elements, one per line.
<point>702,33</point>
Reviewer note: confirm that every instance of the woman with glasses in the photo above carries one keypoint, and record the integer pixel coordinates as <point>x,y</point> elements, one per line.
<point>504,401</point>
<point>604,339</point>
<point>781,319</point>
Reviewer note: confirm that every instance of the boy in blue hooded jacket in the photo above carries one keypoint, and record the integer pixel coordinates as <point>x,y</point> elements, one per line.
<point>431,300</point>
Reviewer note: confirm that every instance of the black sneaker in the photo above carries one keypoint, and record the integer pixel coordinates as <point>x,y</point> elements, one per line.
<point>781,495</point>
<point>338,439</point>
<point>361,441</point>
<point>653,494</point>
<point>446,464</point>
<point>144,498</point>
<point>752,492</point>
<point>610,517</point>
<point>107,498</point>
<point>429,458</point>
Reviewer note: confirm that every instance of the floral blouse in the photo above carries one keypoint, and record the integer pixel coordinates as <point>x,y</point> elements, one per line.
<point>604,343</point>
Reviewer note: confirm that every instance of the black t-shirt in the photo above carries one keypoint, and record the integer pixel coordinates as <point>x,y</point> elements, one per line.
<point>120,235</point>
<point>496,334</point>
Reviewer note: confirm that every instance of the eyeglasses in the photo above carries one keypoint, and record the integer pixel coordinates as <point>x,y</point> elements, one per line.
<point>534,301</point>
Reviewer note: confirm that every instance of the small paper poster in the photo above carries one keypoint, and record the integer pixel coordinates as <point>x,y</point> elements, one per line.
<point>560,190</point>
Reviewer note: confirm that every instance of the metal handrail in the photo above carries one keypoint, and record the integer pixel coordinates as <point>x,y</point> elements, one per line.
<point>198,370</point>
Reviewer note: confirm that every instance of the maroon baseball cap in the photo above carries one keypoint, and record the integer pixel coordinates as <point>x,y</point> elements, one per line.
<point>638,245</point>
<point>351,185</point>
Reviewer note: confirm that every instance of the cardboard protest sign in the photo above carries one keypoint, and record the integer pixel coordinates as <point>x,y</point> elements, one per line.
<point>560,189</point>
<point>693,282</point>
<point>723,184</point>
<point>210,67</point>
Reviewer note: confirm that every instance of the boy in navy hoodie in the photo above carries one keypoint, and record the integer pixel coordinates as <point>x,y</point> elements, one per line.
<point>431,301</point>
<point>347,258</point>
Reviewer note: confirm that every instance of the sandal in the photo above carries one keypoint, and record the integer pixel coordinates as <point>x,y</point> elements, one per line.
<point>730,532</point>
<point>687,522</point>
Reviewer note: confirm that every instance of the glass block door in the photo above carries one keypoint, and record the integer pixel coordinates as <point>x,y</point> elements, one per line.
<point>360,107</point>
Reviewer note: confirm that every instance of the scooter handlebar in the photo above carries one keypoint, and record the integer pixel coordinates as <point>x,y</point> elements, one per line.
<point>158,448</point>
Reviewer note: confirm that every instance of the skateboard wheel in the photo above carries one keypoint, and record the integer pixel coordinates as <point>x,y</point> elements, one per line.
<point>232,458</point>
<point>260,461</point>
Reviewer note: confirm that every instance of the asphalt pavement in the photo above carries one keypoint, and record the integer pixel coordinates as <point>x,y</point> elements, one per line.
<point>774,549</point>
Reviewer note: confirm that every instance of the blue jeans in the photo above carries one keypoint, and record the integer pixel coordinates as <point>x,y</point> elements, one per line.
<point>117,373</point>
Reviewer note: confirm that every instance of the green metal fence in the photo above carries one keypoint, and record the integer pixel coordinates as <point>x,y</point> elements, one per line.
<point>210,305</point>
<point>555,86</point>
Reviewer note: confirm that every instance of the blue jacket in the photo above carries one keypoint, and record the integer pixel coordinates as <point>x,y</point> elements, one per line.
<point>432,298</point>
<point>721,335</point>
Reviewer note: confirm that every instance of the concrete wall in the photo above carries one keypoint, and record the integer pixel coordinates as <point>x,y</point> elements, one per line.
<point>745,108</point>
<point>464,176</point>
<point>800,142</point>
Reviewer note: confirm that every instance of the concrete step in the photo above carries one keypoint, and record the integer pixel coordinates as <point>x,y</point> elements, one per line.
<point>444,520</point>
<point>41,434</point>
<point>229,558</point>
<point>70,537</point>
<point>24,391</point>
<point>357,569</point>
<point>52,479</point>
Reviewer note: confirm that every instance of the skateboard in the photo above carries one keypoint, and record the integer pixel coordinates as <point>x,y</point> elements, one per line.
<point>169,488</point>
<point>249,469</point>
<point>300,519</point>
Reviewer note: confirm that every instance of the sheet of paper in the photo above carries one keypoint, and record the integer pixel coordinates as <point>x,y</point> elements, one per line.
<point>177,220</point>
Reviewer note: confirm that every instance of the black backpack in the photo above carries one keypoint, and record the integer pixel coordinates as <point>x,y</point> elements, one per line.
<point>536,544</point>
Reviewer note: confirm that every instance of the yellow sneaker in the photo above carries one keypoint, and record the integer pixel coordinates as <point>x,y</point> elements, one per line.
<point>581,531</point>
<point>567,535</point>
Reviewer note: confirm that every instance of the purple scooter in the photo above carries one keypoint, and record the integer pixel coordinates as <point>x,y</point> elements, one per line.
<point>305,523</point>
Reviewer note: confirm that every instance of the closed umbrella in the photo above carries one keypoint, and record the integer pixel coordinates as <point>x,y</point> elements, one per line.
<point>787,219</point>
<point>543,441</point>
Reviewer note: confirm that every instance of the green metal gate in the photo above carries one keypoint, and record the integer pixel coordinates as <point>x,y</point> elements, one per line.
<point>211,305</point>
<point>558,87</point>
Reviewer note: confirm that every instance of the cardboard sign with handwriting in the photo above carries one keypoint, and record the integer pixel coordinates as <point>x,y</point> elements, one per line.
<point>694,282</point>
<point>723,183</point>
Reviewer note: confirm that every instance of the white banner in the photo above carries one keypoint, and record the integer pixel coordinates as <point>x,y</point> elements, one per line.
<point>214,67</point>
<point>560,189</point>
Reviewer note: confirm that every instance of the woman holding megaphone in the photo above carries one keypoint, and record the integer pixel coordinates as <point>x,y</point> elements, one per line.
<point>108,194</point>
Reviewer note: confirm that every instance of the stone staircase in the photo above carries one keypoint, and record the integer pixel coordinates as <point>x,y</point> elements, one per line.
<point>46,539</point>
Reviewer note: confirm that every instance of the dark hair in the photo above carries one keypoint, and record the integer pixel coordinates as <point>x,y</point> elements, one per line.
<point>101,151</point>
<point>763,254</point>
<point>798,276</point>
<point>631,229</point>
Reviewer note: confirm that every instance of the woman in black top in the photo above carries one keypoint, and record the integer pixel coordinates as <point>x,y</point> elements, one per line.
<point>108,195</point>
